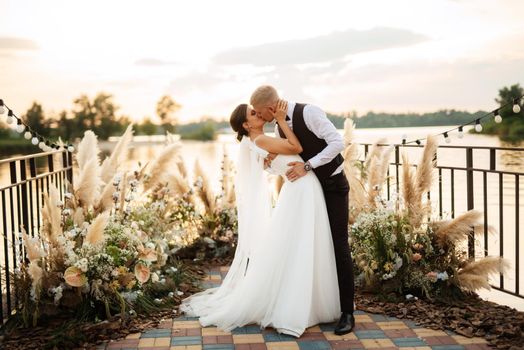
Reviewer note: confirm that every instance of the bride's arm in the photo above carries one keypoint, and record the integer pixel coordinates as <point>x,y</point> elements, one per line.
<point>289,145</point>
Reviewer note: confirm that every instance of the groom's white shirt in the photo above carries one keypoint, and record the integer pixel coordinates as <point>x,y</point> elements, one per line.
<point>316,120</point>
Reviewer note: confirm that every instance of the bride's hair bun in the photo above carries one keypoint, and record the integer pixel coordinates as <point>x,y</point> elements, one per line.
<point>239,117</point>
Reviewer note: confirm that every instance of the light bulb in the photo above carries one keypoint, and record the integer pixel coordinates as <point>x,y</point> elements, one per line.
<point>20,128</point>
<point>2,110</point>
<point>498,119</point>
<point>27,135</point>
<point>460,134</point>
<point>41,144</point>
<point>516,108</point>
<point>71,149</point>
<point>447,139</point>
<point>10,119</point>
<point>34,141</point>
<point>478,127</point>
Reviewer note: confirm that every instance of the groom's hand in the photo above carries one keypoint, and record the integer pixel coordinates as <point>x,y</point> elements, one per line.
<point>296,171</point>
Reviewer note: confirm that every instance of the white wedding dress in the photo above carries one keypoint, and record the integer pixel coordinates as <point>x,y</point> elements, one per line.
<point>290,282</point>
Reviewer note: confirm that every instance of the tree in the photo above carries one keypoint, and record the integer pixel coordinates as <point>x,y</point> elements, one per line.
<point>147,127</point>
<point>166,108</point>
<point>512,126</point>
<point>98,115</point>
<point>34,117</point>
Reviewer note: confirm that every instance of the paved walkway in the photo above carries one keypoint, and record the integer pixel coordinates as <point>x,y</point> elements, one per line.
<point>371,332</point>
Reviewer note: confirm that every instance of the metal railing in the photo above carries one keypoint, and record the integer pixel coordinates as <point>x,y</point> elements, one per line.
<point>21,202</point>
<point>485,187</point>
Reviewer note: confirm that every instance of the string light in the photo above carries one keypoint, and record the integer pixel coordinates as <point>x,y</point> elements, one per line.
<point>19,126</point>
<point>446,138</point>
<point>36,139</point>
<point>404,137</point>
<point>516,106</point>
<point>10,117</point>
<point>478,126</point>
<point>498,118</point>
<point>418,142</point>
<point>461,132</point>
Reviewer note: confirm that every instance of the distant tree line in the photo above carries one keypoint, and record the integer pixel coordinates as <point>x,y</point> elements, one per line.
<point>100,114</point>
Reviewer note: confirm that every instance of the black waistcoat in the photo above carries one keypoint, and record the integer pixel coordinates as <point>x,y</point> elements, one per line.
<point>311,144</point>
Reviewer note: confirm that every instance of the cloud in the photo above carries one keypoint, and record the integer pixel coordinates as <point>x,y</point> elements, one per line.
<point>322,48</point>
<point>153,62</point>
<point>11,43</point>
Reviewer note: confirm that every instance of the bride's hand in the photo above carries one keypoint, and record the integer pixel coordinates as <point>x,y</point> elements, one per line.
<point>280,113</point>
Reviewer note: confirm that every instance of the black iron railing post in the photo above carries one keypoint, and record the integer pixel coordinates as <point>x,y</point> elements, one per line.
<point>470,198</point>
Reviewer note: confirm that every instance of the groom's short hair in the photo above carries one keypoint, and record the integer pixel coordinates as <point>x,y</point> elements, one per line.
<point>264,94</point>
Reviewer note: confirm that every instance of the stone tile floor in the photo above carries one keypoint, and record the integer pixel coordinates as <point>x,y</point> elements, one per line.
<point>371,332</point>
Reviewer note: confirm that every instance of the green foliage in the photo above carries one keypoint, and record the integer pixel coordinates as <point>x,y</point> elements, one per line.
<point>391,120</point>
<point>391,256</point>
<point>512,126</point>
<point>166,108</point>
<point>201,131</point>
<point>146,128</point>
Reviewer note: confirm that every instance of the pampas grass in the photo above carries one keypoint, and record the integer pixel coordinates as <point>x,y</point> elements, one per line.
<point>160,166</point>
<point>32,246</point>
<point>118,156</point>
<point>87,150</point>
<point>95,232</point>
<point>357,190</point>
<point>203,190</point>
<point>349,127</point>
<point>105,201</point>
<point>51,216</point>
<point>424,175</point>
<point>475,275</point>
<point>86,187</point>
<point>416,185</point>
<point>375,152</point>
<point>453,231</point>
<point>178,184</point>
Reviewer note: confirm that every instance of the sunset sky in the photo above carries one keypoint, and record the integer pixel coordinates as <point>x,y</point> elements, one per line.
<point>395,56</point>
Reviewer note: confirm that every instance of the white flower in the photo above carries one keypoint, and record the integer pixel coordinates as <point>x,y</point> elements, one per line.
<point>154,277</point>
<point>209,241</point>
<point>179,293</point>
<point>171,294</point>
<point>442,276</point>
<point>57,291</point>
<point>158,301</point>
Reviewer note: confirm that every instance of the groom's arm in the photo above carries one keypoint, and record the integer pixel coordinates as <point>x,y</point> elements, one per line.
<point>317,121</point>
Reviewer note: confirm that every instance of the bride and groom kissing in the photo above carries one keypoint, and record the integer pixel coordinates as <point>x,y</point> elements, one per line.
<point>292,267</point>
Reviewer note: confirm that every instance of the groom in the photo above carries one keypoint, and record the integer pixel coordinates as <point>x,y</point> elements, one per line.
<point>321,145</point>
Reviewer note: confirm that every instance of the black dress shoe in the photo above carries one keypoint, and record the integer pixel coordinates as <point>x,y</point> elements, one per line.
<point>345,324</point>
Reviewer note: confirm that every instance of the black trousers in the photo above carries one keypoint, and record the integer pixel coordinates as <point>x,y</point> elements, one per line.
<point>336,189</point>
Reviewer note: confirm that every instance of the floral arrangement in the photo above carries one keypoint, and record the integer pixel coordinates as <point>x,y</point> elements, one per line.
<point>397,245</point>
<point>110,245</point>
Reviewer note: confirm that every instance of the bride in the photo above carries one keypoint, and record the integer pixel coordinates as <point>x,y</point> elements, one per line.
<point>283,274</point>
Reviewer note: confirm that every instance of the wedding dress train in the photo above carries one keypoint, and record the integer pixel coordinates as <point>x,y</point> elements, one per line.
<point>290,282</point>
